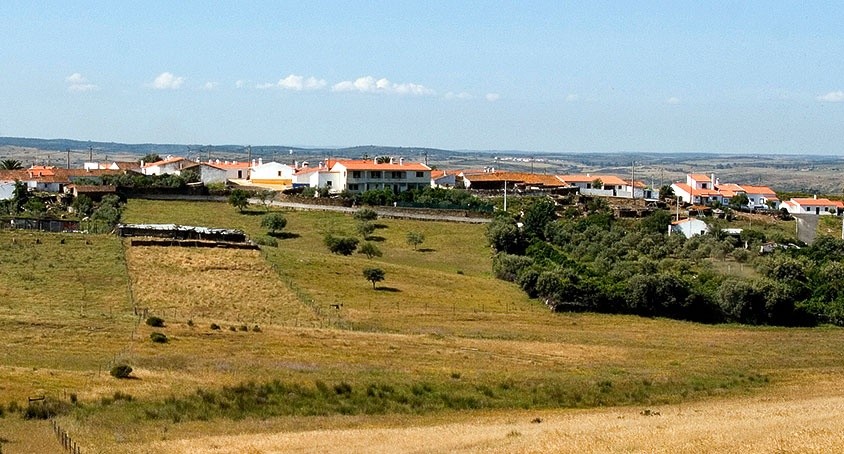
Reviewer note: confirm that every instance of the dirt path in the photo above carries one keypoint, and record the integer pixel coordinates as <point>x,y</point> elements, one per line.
<point>799,420</point>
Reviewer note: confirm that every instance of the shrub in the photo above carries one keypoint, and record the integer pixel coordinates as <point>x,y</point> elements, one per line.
<point>256,329</point>
<point>121,371</point>
<point>343,389</point>
<point>365,215</point>
<point>341,245</point>
<point>45,409</point>
<point>274,222</point>
<point>156,322</point>
<point>215,327</point>
<point>158,338</point>
<point>244,328</point>
<point>370,250</point>
<point>266,241</point>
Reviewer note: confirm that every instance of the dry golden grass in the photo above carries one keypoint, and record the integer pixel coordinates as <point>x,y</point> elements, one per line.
<point>804,418</point>
<point>223,285</point>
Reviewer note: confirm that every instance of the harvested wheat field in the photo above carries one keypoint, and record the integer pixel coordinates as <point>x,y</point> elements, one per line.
<point>228,285</point>
<point>806,418</point>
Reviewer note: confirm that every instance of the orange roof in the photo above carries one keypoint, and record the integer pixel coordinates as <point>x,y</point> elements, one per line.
<point>518,177</point>
<point>818,202</point>
<point>610,180</point>
<point>758,190</point>
<point>368,164</point>
<point>229,165</point>
<point>696,192</point>
<point>699,177</point>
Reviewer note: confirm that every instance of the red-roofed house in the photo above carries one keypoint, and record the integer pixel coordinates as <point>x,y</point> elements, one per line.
<point>813,206</point>
<point>170,165</point>
<point>396,174</point>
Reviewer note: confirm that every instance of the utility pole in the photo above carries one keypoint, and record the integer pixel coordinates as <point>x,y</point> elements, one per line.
<point>68,157</point>
<point>249,159</point>
<point>633,183</point>
<point>505,196</point>
<point>90,154</point>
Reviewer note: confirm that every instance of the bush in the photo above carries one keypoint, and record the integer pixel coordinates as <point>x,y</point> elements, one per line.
<point>45,409</point>
<point>341,245</point>
<point>156,322</point>
<point>121,371</point>
<point>215,327</point>
<point>274,222</point>
<point>266,241</point>
<point>158,338</point>
<point>370,250</point>
<point>365,215</point>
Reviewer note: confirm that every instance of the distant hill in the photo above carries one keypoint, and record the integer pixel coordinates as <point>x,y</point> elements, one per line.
<point>115,149</point>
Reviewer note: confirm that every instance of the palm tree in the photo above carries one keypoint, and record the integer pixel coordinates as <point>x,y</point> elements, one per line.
<point>10,164</point>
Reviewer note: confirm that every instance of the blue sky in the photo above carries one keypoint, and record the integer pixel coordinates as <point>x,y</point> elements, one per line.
<point>736,77</point>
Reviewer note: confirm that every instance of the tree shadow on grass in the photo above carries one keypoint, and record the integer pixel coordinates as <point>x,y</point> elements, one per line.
<point>284,235</point>
<point>380,226</point>
<point>248,212</point>
<point>379,239</point>
<point>387,289</point>
<point>426,249</point>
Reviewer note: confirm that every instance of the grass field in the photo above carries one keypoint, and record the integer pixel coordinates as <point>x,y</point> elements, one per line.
<point>440,342</point>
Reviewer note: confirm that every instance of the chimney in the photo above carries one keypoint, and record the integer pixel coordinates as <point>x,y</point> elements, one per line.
<point>401,161</point>
<point>253,163</point>
<point>815,197</point>
<point>260,161</point>
<point>142,163</point>
<point>712,180</point>
<point>295,164</point>
<point>391,160</point>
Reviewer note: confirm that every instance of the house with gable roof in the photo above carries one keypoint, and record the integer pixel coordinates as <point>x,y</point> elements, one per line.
<point>361,175</point>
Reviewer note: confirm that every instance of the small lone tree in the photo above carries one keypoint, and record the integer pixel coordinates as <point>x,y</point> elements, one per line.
<point>415,239</point>
<point>365,215</point>
<point>239,199</point>
<point>341,245</point>
<point>121,371</point>
<point>374,275</point>
<point>370,250</point>
<point>365,228</point>
<point>266,197</point>
<point>274,222</point>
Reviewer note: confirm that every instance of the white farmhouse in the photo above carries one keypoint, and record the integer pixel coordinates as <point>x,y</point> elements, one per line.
<point>688,227</point>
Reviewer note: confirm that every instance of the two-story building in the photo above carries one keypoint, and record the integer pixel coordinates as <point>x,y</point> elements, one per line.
<point>366,175</point>
<point>805,205</point>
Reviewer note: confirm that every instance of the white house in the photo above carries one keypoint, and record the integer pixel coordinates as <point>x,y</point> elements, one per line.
<point>271,173</point>
<point>396,174</point>
<point>688,227</point>
<point>168,166</point>
<point>813,206</point>
<point>443,178</point>
<point>235,170</point>
<point>698,189</point>
<point>319,177</point>
<point>206,173</point>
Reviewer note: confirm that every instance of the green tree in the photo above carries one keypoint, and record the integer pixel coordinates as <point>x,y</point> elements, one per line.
<point>19,197</point>
<point>35,206</point>
<point>11,164</point>
<point>370,250</point>
<point>505,236</point>
<point>365,214</point>
<point>150,158</point>
<point>374,275</point>
<point>83,206</point>
<point>341,245</point>
<point>365,229</point>
<point>656,222</point>
<point>666,193</point>
<point>239,199</point>
<point>739,200</point>
<point>274,222</point>
<point>266,198</point>
<point>597,184</point>
<point>415,239</point>
<point>538,215</point>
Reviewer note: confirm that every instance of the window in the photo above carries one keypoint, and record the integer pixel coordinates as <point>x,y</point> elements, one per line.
<point>420,174</point>
<point>398,175</point>
<point>328,184</point>
<point>808,209</point>
<point>375,174</point>
<point>356,174</point>
<point>353,187</point>
<point>279,173</point>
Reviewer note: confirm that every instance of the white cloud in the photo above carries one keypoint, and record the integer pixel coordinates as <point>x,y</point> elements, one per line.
<point>167,81</point>
<point>833,96</point>
<point>572,97</point>
<point>369,84</point>
<point>265,86</point>
<point>492,97</point>
<point>240,84</point>
<point>673,100</point>
<point>299,83</point>
<point>461,95</point>
<point>76,82</point>
<point>208,86</point>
